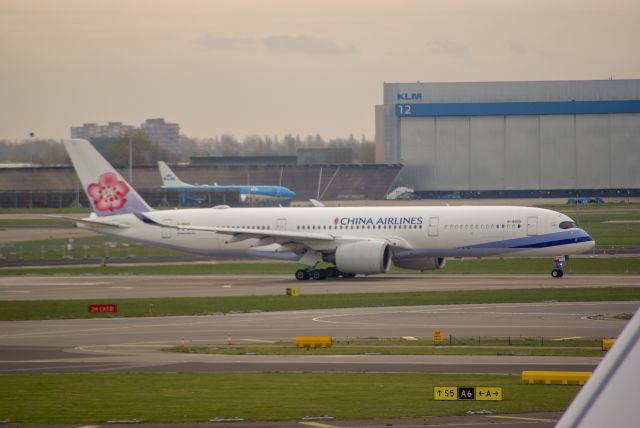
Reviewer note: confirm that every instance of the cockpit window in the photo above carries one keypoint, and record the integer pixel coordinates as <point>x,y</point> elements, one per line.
<point>567,225</point>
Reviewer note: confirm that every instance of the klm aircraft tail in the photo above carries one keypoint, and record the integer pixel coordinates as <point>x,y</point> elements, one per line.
<point>169,179</point>
<point>108,193</point>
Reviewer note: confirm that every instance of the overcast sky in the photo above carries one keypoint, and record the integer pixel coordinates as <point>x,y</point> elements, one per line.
<point>292,66</point>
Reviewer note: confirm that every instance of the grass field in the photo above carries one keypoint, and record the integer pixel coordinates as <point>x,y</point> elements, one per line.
<point>65,309</point>
<point>90,247</point>
<point>198,397</point>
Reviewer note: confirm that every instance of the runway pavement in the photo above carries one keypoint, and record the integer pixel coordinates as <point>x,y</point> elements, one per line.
<point>536,420</point>
<point>134,344</point>
<point>123,286</point>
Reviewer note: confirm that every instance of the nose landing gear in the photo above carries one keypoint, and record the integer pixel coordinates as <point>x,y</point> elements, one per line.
<point>558,272</point>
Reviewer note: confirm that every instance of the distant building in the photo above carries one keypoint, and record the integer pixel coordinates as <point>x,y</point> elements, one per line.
<point>157,130</point>
<point>163,133</point>
<point>329,155</point>
<point>518,139</point>
<point>243,160</point>
<point>379,137</point>
<point>93,130</point>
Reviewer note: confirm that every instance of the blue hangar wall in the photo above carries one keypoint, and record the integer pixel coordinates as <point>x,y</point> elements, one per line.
<point>515,138</point>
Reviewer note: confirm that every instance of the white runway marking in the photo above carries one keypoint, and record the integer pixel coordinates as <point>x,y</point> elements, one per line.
<point>318,425</point>
<point>523,419</point>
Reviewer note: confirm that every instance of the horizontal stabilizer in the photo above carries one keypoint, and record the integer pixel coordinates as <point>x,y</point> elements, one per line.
<point>93,223</point>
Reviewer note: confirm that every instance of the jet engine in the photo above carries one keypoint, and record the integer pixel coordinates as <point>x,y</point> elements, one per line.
<point>425,263</point>
<point>365,257</point>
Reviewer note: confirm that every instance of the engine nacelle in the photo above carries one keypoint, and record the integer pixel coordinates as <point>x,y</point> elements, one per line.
<point>426,263</point>
<point>366,257</point>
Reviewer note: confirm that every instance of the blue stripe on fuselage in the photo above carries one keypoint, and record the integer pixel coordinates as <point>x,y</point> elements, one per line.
<point>538,241</point>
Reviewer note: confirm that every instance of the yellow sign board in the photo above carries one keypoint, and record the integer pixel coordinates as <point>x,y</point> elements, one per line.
<point>488,393</point>
<point>437,336</point>
<point>441,393</point>
<point>477,393</point>
<point>607,343</point>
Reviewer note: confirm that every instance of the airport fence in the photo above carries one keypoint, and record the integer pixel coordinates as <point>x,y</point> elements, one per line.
<point>519,341</point>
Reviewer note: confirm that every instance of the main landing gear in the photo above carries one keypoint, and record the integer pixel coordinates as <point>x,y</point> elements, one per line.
<point>558,272</point>
<point>320,274</point>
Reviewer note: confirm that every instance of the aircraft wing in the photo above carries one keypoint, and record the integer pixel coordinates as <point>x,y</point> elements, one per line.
<point>260,233</point>
<point>239,234</point>
<point>313,241</point>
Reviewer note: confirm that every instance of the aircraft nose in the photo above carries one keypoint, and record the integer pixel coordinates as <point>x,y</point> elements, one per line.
<point>586,242</point>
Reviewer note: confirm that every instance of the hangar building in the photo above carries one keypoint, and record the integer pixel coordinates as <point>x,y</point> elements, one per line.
<point>546,138</point>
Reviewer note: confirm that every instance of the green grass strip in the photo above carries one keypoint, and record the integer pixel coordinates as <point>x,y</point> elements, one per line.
<point>398,350</point>
<point>60,309</point>
<point>198,397</point>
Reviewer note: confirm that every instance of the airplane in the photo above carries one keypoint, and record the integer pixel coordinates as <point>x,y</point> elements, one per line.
<point>247,193</point>
<point>354,240</point>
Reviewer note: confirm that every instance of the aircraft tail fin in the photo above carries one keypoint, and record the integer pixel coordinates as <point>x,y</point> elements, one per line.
<point>169,179</point>
<point>107,191</point>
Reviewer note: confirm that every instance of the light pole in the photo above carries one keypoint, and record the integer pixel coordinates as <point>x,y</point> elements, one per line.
<point>130,160</point>
<point>31,135</point>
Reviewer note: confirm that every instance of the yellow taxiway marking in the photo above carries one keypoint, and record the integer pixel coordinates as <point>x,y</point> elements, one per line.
<point>318,425</point>
<point>524,419</point>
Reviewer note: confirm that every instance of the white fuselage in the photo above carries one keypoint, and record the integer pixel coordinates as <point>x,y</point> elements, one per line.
<point>413,231</point>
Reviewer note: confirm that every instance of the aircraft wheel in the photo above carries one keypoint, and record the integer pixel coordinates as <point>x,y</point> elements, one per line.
<point>332,272</point>
<point>318,274</point>
<point>302,274</point>
<point>557,273</point>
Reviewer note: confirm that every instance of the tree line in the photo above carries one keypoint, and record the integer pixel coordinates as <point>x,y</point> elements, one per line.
<point>145,152</point>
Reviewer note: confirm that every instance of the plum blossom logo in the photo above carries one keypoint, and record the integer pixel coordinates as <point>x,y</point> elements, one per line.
<point>109,193</point>
<point>336,220</point>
